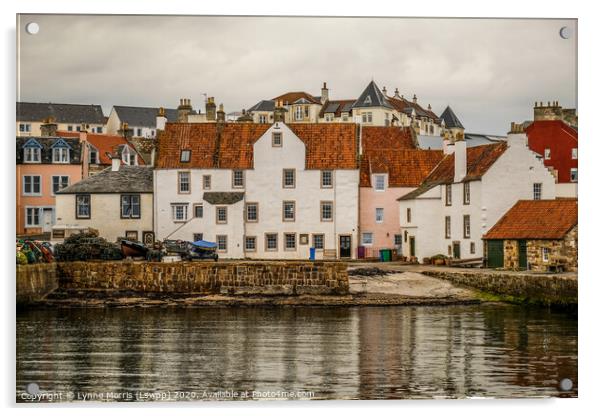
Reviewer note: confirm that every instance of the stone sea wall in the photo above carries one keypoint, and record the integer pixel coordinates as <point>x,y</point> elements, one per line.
<point>35,281</point>
<point>546,289</point>
<point>236,278</point>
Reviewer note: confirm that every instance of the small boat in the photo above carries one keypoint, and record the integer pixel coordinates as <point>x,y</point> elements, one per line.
<point>202,249</point>
<point>133,248</point>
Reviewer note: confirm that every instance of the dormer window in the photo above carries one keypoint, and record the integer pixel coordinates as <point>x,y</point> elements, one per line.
<point>185,156</point>
<point>93,155</point>
<point>60,152</point>
<point>379,182</point>
<point>128,157</point>
<point>32,152</point>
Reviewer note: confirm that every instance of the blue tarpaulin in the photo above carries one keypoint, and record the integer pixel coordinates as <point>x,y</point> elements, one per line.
<point>205,244</point>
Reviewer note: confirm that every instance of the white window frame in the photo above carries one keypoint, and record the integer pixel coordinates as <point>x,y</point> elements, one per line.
<point>32,192</point>
<point>447,226</point>
<point>466,193</point>
<point>249,205</point>
<point>185,155</point>
<point>87,197</point>
<point>188,177</point>
<point>92,150</point>
<point>323,237</point>
<point>60,180</point>
<point>206,182</point>
<point>326,174</point>
<point>218,239</point>
<point>37,214</point>
<point>367,238</point>
<point>285,241</point>
<point>219,219</point>
<point>290,172</point>
<point>537,191</point>
<point>324,204</point>
<point>277,139</point>
<point>249,238</point>
<point>266,239</point>
<point>545,254</point>
<point>194,210</point>
<point>131,198</point>
<point>61,154</point>
<point>377,185</point>
<point>235,178</point>
<point>466,223</point>
<point>174,212</point>
<point>32,154</point>
<point>24,127</point>
<point>379,215</point>
<point>547,153</point>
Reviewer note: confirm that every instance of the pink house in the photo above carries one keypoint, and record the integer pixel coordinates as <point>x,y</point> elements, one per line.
<point>391,167</point>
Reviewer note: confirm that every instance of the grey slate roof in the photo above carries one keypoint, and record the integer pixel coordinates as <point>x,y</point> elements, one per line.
<point>376,98</point>
<point>62,113</point>
<point>46,143</point>
<point>264,105</point>
<point>128,179</point>
<point>223,198</point>
<point>143,116</point>
<point>450,118</point>
<point>472,140</point>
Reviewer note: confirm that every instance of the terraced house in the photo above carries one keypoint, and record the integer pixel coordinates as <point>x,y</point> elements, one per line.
<point>67,117</point>
<point>260,190</point>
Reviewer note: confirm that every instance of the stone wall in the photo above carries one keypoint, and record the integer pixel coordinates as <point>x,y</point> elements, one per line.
<point>565,248</point>
<point>537,288</point>
<point>511,254</point>
<point>35,281</point>
<point>237,278</point>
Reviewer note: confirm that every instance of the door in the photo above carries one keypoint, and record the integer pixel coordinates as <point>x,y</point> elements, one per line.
<point>47,220</point>
<point>456,249</point>
<point>344,246</point>
<point>412,247</point>
<point>522,254</point>
<point>495,253</point>
<point>148,238</point>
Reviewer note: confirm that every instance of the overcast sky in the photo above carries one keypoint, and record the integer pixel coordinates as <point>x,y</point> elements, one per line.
<point>489,71</point>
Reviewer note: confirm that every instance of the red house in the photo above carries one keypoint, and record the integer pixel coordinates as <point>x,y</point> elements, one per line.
<point>556,142</point>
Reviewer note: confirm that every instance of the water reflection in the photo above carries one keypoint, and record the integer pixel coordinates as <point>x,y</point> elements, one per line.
<point>332,353</point>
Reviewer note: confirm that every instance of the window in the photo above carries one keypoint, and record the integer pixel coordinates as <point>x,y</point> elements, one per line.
<point>326,211</point>
<point>397,239</point>
<point>197,236</point>
<point>537,191</point>
<point>184,182</point>
<point>288,178</point>
<point>206,181</point>
<point>473,248</point>
<point>179,212</point>
<point>222,242</point>
<point>262,119</point>
<point>379,182</point>
<point>251,211</point>
<point>129,157</point>
<point>318,241</point>
<point>130,206</point>
<point>367,117</point>
<point>545,254</point>
<point>290,241</point>
<point>32,185</point>
<point>250,243</point>
<point>197,210</point>
<point>466,226</point>
<point>221,215</point>
<point>238,179</point>
<point>547,154</point>
<point>367,239</point>
<point>98,129</point>
<point>59,182</point>
<point>326,178</point>
<point>78,128</point>
<point>92,155</point>
<point>70,128</point>
<point>139,132</point>
<point>276,139</point>
<point>329,117</point>
<point>447,227</point>
<point>345,117</point>
<point>288,211</point>
<point>32,217</point>
<point>574,153</point>
<point>271,242</point>
<point>185,156</point>
<point>82,206</point>
<point>60,155</point>
<point>298,112</point>
<point>24,128</point>
<point>466,193</point>
<point>409,215</point>
<point>32,154</point>
<point>131,235</point>
<point>573,174</point>
<point>448,194</point>
<point>380,215</point>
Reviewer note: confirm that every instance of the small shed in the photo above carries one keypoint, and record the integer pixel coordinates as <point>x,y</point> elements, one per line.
<point>535,235</point>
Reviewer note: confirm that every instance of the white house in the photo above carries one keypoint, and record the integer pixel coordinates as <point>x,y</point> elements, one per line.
<point>141,120</point>
<point>117,202</point>
<point>467,193</point>
<point>259,190</point>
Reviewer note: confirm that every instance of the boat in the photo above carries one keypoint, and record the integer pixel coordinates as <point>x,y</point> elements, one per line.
<point>133,249</point>
<point>202,249</point>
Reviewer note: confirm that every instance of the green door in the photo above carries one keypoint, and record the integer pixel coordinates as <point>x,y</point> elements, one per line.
<point>495,253</point>
<point>522,254</point>
<point>456,246</point>
<point>412,247</point>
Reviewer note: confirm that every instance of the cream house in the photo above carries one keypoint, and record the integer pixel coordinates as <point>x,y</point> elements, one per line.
<point>260,190</point>
<point>65,117</point>
<point>467,193</point>
<point>118,202</point>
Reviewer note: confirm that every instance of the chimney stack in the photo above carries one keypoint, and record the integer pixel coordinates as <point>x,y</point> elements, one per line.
<point>324,96</point>
<point>49,127</point>
<point>184,109</point>
<point>459,159</point>
<point>210,109</point>
<point>85,151</point>
<point>221,114</point>
<point>384,90</point>
<point>279,112</point>
<point>160,119</point>
<point>115,164</point>
<point>415,99</point>
<point>125,131</point>
<point>397,93</point>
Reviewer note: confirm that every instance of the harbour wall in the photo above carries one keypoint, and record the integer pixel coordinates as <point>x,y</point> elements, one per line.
<point>236,278</point>
<point>35,281</point>
<point>544,289</point>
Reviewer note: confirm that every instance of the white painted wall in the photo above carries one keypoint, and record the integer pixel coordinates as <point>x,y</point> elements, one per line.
<point>114,125</point>
<point>105,215</point>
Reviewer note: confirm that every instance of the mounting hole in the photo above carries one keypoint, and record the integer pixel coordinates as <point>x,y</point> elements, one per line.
<point>32,388</point>
<point>32,28</point>
<point>566,32</point>
<point>566,384</point>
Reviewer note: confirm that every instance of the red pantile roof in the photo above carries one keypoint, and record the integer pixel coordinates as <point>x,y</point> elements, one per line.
<point>291,97</point>
<point>544,219</point>
<point>328,146</point>
<point>392,150</point>
<point>401,104</point>
<point>104,143</point>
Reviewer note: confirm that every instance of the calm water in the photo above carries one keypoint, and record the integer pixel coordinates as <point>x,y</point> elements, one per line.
<point>324,353</point>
